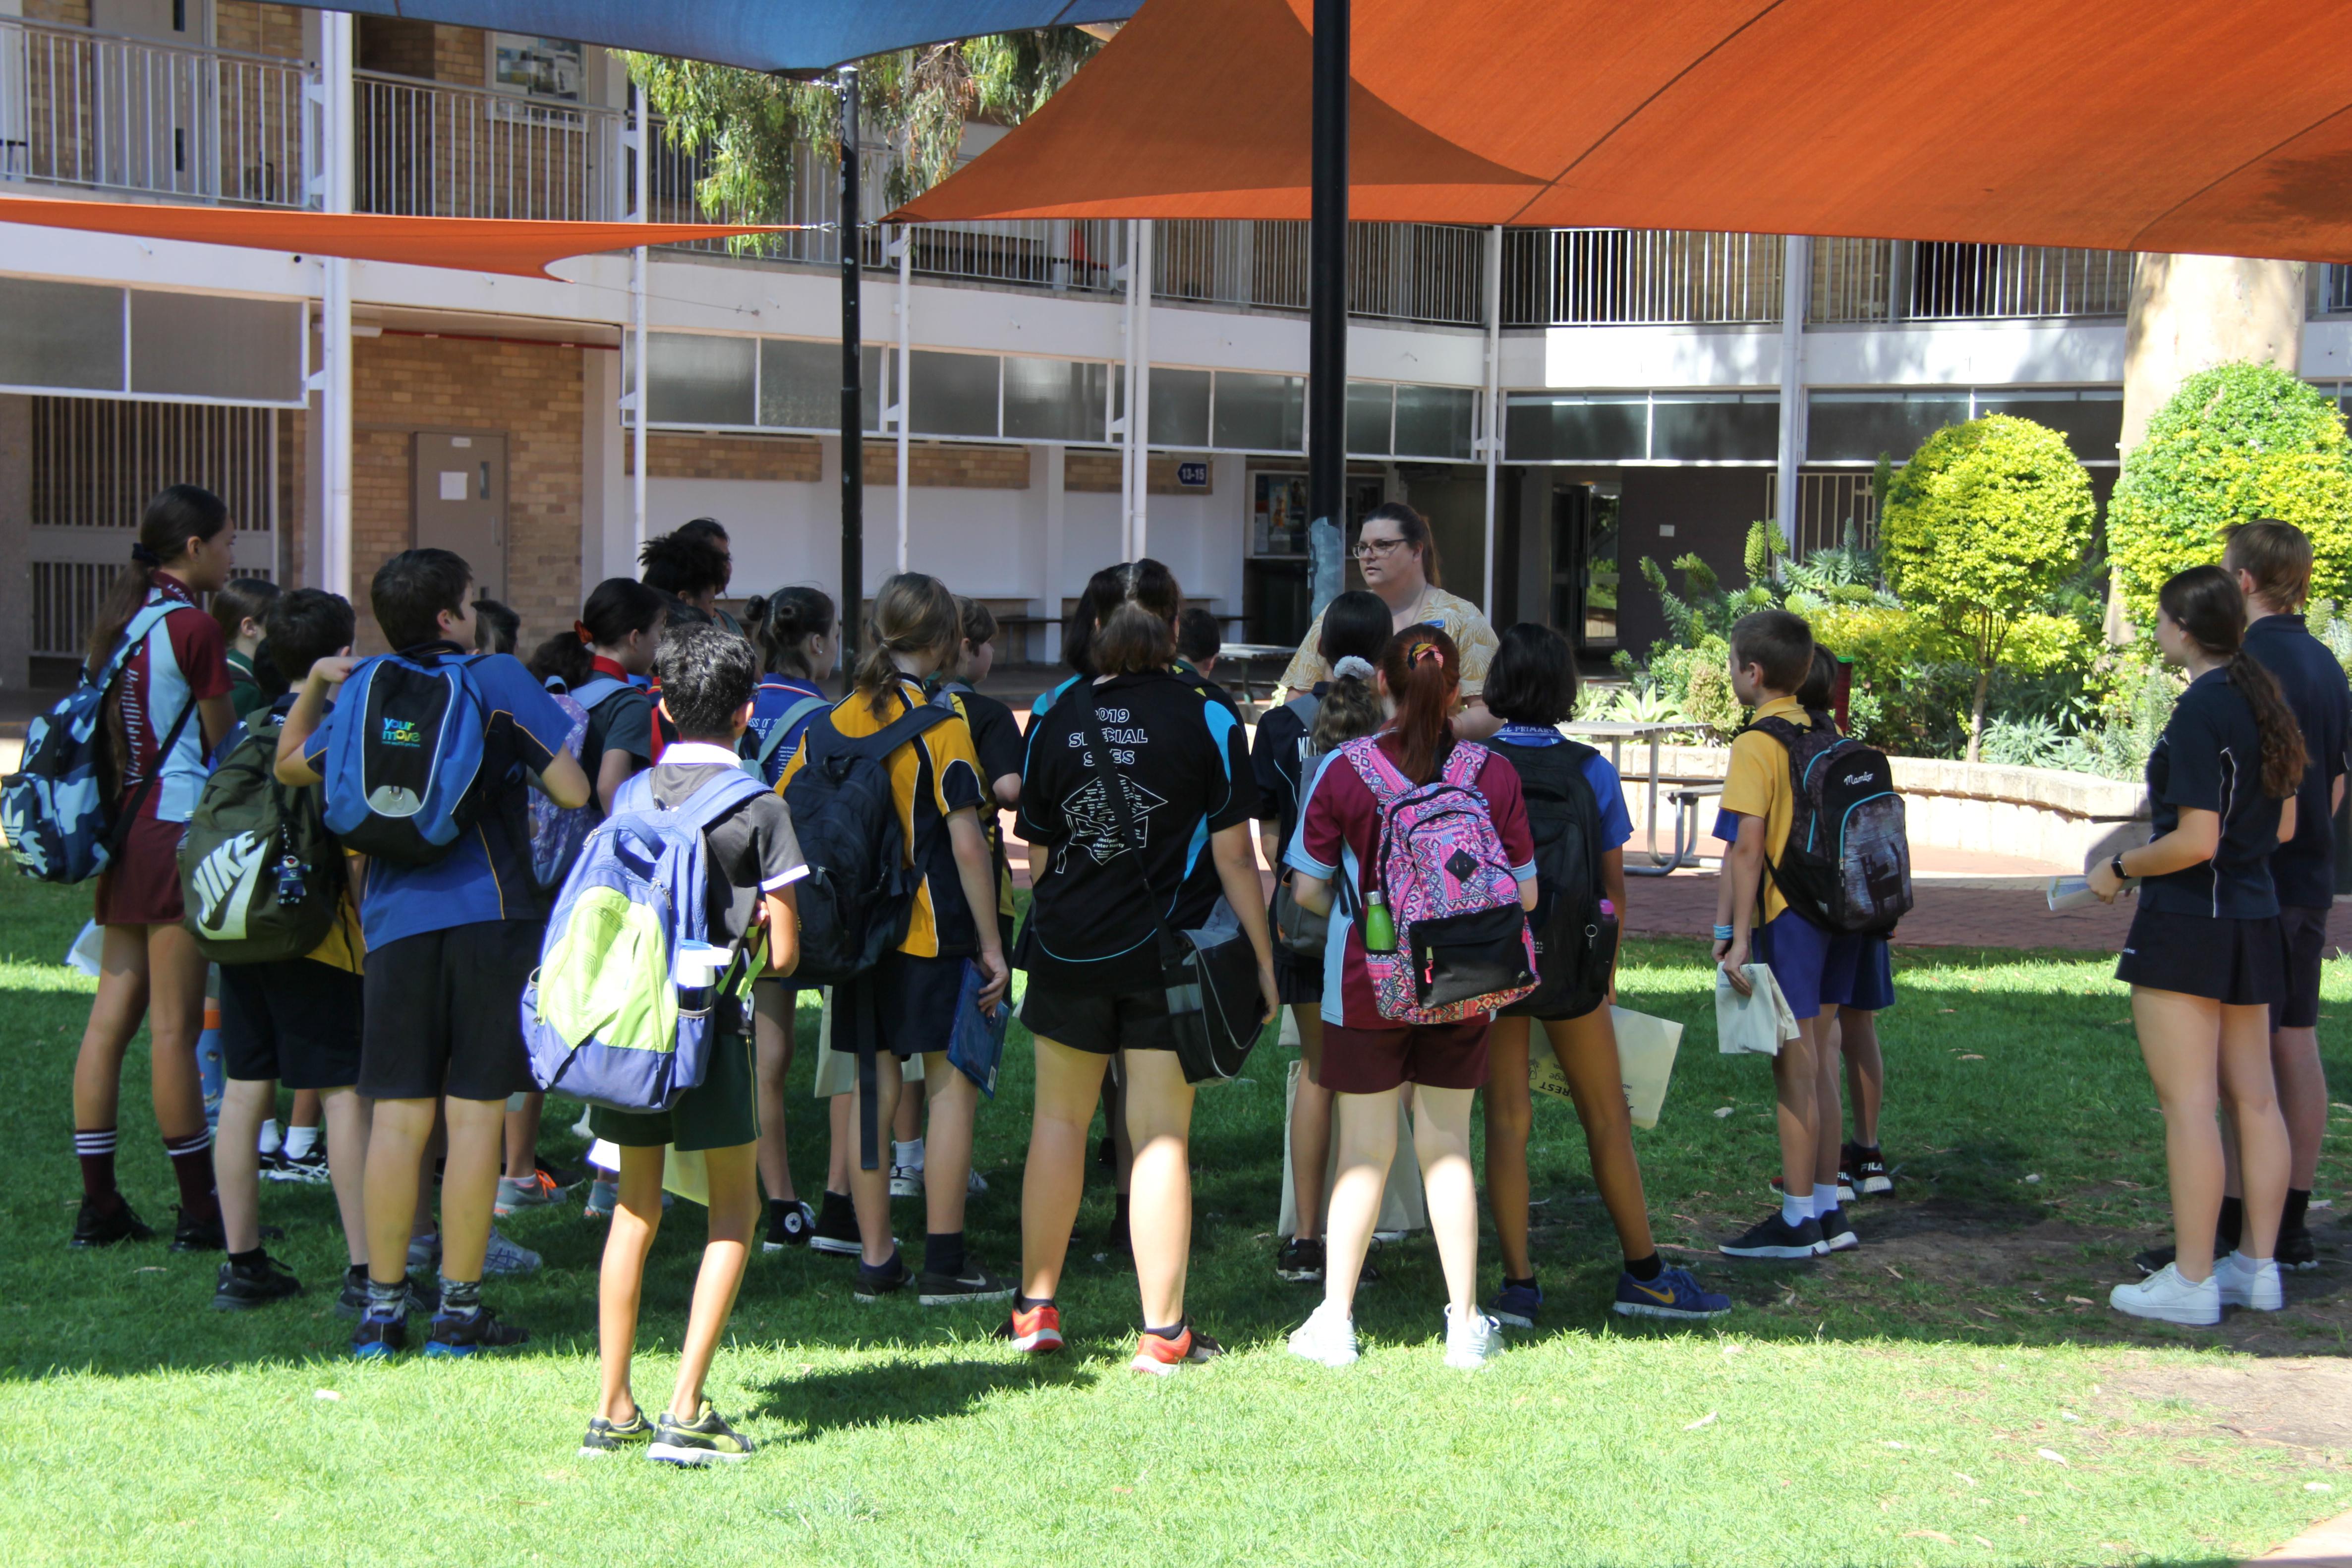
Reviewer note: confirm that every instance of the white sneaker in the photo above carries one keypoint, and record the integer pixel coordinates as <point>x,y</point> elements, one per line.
<point>2168,1297</point>
<point>2246,1283</point>
<point>906,1181</point>
<point>1472,1341</point>
<point>504,1256</point>
<point>1328,1336</point>
<point>976,1182</point>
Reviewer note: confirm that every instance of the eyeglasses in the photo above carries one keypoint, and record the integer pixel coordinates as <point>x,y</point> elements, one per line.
<point>1369,549</point>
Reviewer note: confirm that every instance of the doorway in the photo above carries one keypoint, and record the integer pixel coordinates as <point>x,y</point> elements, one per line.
<point>1587,537</point>
<point>460,484</point>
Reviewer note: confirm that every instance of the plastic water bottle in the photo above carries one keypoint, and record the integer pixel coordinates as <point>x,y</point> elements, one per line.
<point>1605,936</point>
<point>1380,930</point>
<point>212,1066</point>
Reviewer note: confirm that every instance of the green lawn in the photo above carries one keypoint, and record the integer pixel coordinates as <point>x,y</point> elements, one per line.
<point>1901,1405</point>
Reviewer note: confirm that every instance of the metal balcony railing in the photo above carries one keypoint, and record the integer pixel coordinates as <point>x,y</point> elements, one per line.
<point>1857,280</point>
<point>433,149</point>
<point>94,109</point>
<point>1612,277</point>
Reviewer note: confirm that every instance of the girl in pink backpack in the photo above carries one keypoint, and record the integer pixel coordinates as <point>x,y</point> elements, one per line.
<point>1418,845</point>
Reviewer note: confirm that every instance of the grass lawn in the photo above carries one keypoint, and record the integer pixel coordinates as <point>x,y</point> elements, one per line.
<point>1947,1394</point>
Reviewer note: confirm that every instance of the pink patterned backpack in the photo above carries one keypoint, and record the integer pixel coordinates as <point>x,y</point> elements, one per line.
<point>1463,946</point>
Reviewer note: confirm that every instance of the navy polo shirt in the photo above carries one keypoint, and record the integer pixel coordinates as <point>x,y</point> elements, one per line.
<point>2304,868</point>
<point>2210,759</point>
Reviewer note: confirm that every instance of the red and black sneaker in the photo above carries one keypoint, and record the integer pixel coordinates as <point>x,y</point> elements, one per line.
<point>1037,1330</point>
<point>1160,1356</point>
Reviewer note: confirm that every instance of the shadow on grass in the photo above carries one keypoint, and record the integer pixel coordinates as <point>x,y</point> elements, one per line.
<point>901,1389</point>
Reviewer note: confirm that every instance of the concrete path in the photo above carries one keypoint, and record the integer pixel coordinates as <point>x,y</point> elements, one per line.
<point>2327,1545</point>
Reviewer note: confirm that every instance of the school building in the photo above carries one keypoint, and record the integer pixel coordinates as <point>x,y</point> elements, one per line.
<point>1562,402</point>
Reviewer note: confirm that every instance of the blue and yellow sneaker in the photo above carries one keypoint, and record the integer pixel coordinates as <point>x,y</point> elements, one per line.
<point>1516,1305</point>
<point>609,1437</point>
<point>705,1440</point>
<point>1673,1294</point>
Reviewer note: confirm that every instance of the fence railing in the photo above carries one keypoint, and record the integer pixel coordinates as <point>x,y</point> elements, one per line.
<point>1587,276</point>
<point>90,109</point>
<point>1859,280</point>
<point>429,149</point>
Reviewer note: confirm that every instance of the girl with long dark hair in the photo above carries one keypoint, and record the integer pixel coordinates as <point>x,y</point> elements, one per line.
<point>167,710</point>
<point>2204,959</point>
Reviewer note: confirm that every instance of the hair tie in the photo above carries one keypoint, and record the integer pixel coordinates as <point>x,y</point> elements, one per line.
<point>142,555</point>
<point>1428,653</point>
<point>1349,666</point>
<point>580,629</point>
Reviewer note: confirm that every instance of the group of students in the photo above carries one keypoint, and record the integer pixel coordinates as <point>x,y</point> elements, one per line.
<point>1138,793</point>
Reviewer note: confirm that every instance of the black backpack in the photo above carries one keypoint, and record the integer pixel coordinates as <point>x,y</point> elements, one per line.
<point>1847,864</point>
<point>1575,949</point>
<point>262,877</point>
<point>860,896</point>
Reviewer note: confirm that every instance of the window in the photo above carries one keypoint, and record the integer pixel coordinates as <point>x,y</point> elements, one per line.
<point>1577,427</point>
<point>61,335</point>
<point>190,346</point>
<point>1261,413</point>
<point>1436,422</point>
<point>1856,426</point>
<point>1370,412</point>
<point>695,380</point>
<point>1715,426</point>
<point>1055,400</point>
<point>2091,418</point>
<point>1179,409</point>
<point>800,384</point>
<point>954,394</point>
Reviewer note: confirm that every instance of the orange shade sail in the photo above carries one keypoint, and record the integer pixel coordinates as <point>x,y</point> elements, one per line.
<point>520,246</point>
<point>2217,126</point>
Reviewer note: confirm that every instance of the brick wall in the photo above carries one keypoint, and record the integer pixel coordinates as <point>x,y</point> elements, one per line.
<point>947,465</point>
<point>259,29</point>
<point>1095,470</point>
<point>72,13</point>
<point>795,459</point>
<point>530,392</point>
<point>460,55</point>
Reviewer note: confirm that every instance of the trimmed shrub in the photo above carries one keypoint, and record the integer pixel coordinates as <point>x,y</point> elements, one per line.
<point>2236,442</point>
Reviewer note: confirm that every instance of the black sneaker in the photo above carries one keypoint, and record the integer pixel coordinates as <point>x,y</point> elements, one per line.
<point>1837,1231</point>
<point>381,1335</point>
<point>1872,1179</point>
<point>974,1284</point>
<point>705,1440</point>
<point>243,1288</point>
<point>477,1331</point>
<point>1117,1240</point>
<point>307,1167</point>
<point>603,1437</point>
<point>2297,1250</point>
<point>791,1223</point>
<point>875,1283</point>
<point>1300,1262</point>
<point>350,1301</point>
<point>835,1230</point>
<point>96,1226</point>
<point>199,1235</point>
<point>1776,1238</point>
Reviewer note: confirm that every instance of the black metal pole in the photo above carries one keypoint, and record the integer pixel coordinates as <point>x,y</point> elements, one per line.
<point>1327,330</point>
<point>853,400</point>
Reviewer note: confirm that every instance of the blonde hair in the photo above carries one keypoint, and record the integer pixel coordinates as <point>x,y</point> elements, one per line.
<point>913,614</point>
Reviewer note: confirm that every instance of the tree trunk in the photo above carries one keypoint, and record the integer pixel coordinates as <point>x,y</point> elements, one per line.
<point>1976,715</point>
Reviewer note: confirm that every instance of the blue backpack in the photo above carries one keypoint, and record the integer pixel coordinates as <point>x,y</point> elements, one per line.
<point>405,764</point>
<point>608,1017</point>
<point>61,826</point>
<point>558,833</point>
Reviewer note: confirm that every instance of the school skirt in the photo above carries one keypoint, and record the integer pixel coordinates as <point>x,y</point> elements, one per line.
<point>2237,963</point>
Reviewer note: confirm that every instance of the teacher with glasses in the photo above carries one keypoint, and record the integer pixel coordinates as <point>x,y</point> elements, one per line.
<point>1399,560</point>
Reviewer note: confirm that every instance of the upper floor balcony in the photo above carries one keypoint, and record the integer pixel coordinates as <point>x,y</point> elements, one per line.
<point>137,117</point>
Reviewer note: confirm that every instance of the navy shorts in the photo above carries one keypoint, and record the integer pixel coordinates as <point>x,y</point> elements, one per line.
<point>296,1021</point>
<point>1814,967</point>
<point>2303,934</point>
<point>1873,979</point>
<point>2238,963</point>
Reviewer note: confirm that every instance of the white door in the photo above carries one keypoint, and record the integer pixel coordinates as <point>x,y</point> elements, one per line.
<point>154,100</point>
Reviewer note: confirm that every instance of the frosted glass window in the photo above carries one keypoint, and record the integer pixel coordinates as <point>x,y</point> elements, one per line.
<point>1179,409</point>
<point>1370,404</point>
<point>195,346</point>
<point>1054,400</point>
<point>1856,426</point>
<point>61,335</point>
<point>800,384</point>
<point>1261,413</point>
<point>1436,422</point>
<point>1715,426</point>
<point>696,380</point>
<point>1577,427</point>
<point>2092,419</point>
<point>954,394</point>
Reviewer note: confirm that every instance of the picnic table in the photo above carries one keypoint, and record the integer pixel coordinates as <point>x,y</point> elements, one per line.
<point>1249,654</point>
<point>1686,799</point>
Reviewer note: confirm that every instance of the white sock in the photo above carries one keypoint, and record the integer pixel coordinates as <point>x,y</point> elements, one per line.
<point>1825,1198</point>
<point>1796,1211</point>
<point>270,1141</point>
<point>2245,1265</point>
<point>907,1155</point>
<point>300,1140</point>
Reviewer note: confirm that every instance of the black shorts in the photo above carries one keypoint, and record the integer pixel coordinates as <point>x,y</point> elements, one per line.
<point>296,1021</point>
<point>1297,980</point>
<point>2235,962</point>
<point>1122,1021</point>
<point>723,1111</point>
<point>444,1013</point>
<point>914,1001</point>
<point>2304,934</point>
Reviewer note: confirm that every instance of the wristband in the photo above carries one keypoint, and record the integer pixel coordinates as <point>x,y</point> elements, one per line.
<point>2117,865</point>
<point>1725,933</point>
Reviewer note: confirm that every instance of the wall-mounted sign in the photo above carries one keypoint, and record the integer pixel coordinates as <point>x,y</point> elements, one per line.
<point>1193,476</point>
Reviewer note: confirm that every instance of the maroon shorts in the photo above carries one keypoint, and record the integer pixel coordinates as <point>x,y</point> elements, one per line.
<point>1436,1056</point>
<point>141,885</point>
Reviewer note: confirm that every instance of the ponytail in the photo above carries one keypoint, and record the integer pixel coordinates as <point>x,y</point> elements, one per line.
<point>1425,677</point>
<point>2205,602</point>
<point>913,614</point>
<point>1139,619</point>
<point>1351,707</point>
<point>782,622</point>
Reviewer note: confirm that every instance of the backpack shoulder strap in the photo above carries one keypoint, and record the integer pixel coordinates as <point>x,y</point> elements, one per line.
<point>590,692</point>
<point>1380,774</point>
<point>134,631</point>
<point>1307,706</point>
<point>784,727</point>
<point>918,718</point>
<point>1464,763</point>
<point>635,793</point>
<point>715,799</point>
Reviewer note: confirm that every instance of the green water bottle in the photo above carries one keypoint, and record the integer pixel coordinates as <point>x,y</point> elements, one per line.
<point>1380,931</point>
